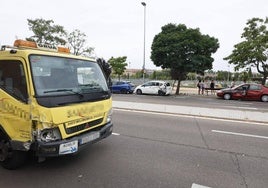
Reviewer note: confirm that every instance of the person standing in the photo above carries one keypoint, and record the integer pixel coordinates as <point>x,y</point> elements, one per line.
<point>203,85</point>
<point>212,87</point>
<point>199,86</point>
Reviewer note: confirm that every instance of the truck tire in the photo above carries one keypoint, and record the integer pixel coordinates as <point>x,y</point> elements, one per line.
<point>9,158</point>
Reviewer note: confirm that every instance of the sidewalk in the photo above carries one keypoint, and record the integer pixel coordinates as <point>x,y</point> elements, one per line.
<point>193,91</point>
<point>187,91</point>
<point>241,115</point>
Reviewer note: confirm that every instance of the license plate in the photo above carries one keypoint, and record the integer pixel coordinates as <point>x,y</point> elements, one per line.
<point>90,137</point>
<point>69,147</point>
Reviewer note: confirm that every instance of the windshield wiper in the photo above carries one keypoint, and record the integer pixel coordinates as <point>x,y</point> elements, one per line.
<point>65,90</point>
<point>90,88</point>
<point>89,85</point>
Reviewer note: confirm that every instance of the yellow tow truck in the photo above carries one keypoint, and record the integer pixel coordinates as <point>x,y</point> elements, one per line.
<point>52,103</point>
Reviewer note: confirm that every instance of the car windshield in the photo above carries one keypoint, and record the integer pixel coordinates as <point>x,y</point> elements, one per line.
<point>59,76</point>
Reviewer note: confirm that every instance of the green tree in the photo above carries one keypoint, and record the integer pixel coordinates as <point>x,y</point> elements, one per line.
<point>45,32</point>
<point>222,75</point>
<point>160,75</point>
<point>191,76</point>
<point>139,74</point>
<point>244,76</point>
<point>253,51</point>
<point>154,75</point>
<point>183,50</point>
<point>77,41</point>
<point>118,65</point>
<point>236,76</point>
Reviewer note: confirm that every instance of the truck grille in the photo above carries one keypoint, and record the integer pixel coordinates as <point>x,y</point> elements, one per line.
<point>83,126</point>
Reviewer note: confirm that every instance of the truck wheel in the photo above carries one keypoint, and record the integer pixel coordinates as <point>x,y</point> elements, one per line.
<point>9,158</point>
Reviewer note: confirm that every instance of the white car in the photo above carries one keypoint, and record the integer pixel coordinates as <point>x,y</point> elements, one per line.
<point>154,87</point>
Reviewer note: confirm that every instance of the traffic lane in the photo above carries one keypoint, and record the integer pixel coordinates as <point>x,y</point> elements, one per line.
<point>96,166</point>
<point>158,127</point>
<point>215,134</point>
<point>254,171</point>
<point>200,101</point>
<point>248,152</point>
<point>125,161</point>
<point>248,144</point>
<point>212,166</point>
<point>163,164</point>
<point>242,138</point>
<point>239,104</point>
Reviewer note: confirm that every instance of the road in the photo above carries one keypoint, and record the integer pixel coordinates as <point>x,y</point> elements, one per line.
<point>158,150</point>
<point>199,106</point>
<point>210,101</point>
<point>192,150</point>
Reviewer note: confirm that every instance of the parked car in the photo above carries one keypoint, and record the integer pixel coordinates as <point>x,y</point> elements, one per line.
<point>123,87</point>
<point>218,86</point>
<point>245,92</point>
<point>154,87</point>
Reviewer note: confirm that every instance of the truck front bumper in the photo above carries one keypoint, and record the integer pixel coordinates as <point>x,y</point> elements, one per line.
<point>72,145</point>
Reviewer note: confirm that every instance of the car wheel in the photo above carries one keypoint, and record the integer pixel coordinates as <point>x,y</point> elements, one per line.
<point>264,98</point>
<point>123,91</point>
<point>161,93</point>
<point>227,96</point>
<point>139,92</point>
<point>9,158</point>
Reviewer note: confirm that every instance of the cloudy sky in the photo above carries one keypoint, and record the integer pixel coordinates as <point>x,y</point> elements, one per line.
<point>115,27</point>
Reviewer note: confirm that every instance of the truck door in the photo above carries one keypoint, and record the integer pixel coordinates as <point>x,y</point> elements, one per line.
<point>14,107</point>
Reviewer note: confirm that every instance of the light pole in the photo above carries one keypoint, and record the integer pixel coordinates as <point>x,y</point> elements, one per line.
<point>228,73</point>
<point>143,66</point>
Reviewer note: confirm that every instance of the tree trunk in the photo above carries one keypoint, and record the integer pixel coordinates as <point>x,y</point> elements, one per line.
<point>264,80</point>
<point>178,87</point>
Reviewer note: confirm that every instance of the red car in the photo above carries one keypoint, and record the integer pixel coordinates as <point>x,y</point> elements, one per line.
<point>245,92</point>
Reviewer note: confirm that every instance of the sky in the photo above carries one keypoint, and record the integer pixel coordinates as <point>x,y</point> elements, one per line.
<point>115,28</point>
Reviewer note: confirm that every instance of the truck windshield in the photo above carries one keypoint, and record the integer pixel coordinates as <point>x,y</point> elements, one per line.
<point>66,76</point>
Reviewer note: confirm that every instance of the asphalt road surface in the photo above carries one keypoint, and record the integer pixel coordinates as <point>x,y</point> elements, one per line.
<point>210,101</point>
<point>158,150</point>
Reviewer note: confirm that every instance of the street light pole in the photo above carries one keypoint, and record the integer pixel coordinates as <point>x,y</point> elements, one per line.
<point>228,73</point>
<point>143,66</point>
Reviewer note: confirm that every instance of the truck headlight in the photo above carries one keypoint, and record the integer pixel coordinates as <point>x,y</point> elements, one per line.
<point>49,135</point>
<point>109,116</point>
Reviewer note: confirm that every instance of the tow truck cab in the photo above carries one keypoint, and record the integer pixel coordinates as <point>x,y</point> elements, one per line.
<point>51,102</point>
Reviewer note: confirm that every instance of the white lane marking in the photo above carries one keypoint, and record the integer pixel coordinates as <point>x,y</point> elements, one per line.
<point>198,186</point>
<point>240,134</point>
<point>116,134</point>
<point>192,116</point>
<point>247,108</point>
<point>241,107</point>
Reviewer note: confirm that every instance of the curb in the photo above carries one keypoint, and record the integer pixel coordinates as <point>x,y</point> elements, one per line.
<point>239,115</point>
